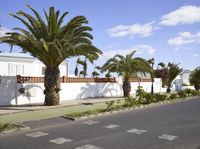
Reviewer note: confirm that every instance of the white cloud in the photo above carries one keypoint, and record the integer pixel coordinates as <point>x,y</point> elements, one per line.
<point>142,30</point>
<point>145,49</point>
<point>140,50</point>
<point>4,30</point>
<point>185,38</point>
<point>184,15</point>
<point>196,55</point>
<point>111,46</point>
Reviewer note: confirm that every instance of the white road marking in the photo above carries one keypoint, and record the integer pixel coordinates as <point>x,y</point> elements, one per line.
<point>37,134</point>
<point>111,126</point>
<point>60,140</point>
<point>136,131</point>
<point>88,146</point>
<point>90,122</point>
<point>168,137</point>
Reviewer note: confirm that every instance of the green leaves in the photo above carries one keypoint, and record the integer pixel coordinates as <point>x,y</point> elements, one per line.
<point>51,41</point>
<point>126,65</point>
<point>195,78</point>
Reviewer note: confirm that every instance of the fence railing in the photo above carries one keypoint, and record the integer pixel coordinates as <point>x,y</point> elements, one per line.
<point>64,79</point>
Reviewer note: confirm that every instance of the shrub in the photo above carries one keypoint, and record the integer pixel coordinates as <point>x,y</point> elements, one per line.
<point>195,93</point>
<point>173,96</point>
<point>110,105</point>
<point>148,98</point>
<point>159,97</point>
<point>140,93</point>
<point>182,94</point>
<point>129,102</point>
<point>188,91</point>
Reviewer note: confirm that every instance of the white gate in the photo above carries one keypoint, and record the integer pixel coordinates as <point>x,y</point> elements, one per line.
<point>8,90</point>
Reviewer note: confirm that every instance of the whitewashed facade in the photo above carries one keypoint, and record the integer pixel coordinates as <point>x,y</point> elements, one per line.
<point>10,95</point>
<point>12,64</point>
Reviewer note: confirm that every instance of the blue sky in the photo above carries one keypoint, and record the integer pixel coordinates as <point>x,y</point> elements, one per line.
<point>168,30</point>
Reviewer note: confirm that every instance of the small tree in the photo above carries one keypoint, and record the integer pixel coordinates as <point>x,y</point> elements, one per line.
<point>128,67</point>
<point>140,93</point>
<point>173,71</point>
<point>161,72</point>
<point>195,78</point>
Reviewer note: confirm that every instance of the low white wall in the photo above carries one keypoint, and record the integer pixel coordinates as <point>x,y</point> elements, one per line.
<point>187,87</point>
<point>69,91</point>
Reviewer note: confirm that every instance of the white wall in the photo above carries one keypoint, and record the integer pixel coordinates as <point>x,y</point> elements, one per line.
<point>11,66</point>
<point>9,94</point>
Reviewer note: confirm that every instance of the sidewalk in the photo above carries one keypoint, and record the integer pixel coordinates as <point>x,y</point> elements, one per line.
<point>4,110</point>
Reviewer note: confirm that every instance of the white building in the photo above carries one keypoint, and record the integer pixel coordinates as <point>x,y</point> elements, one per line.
<point>182,81</point>
<point>12,64</point>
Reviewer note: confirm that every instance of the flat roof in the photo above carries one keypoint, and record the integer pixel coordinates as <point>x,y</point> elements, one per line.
<point>16,55</point>
<point>20,55</point>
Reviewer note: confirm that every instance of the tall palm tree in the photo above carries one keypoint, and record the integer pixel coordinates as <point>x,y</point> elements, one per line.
<point>51,42</point>
<point>195,78</point>
<point>128,67</point>
<point>173,71</point>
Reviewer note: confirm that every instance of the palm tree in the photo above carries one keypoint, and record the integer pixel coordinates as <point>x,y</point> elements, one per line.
<point>108,75</point>
<point>161,72</point>
<point>95,73</point>
<point>128,67</point>
<point>195,78</point>
<point>173,71</point>
<point>84,64</point>
<point>52,42</point>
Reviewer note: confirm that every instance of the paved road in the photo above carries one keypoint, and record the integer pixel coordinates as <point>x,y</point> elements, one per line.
<point>172,126</point>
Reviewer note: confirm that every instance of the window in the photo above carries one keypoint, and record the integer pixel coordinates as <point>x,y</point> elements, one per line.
<point>15,69</point>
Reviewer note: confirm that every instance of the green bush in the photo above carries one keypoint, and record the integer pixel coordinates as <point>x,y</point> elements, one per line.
<point>110,105</point>
<point>129,102</point>
<point>148,98</point>
<point>173,96</point>
<point>159,97</point>
<point>195,93</point>
<point>182,94</point>
<point>188,91</point>
<point>140,93</point>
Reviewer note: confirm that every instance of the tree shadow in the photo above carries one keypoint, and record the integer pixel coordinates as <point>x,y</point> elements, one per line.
<point>98,90</point>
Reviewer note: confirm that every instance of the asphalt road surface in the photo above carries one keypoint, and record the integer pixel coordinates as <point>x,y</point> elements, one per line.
<point>171,126</point>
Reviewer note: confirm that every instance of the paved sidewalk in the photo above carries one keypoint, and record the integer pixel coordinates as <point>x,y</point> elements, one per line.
<point>34,107</point>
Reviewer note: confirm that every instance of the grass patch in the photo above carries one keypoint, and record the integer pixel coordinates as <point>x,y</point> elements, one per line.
<point>85,113</point>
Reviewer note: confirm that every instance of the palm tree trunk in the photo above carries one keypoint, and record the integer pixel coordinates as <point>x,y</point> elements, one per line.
<point>52,86</point>
<point>168,89</point>
<point>126,88</point>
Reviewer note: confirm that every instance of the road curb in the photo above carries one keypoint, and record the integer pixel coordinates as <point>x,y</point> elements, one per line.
<point>130,109</point>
